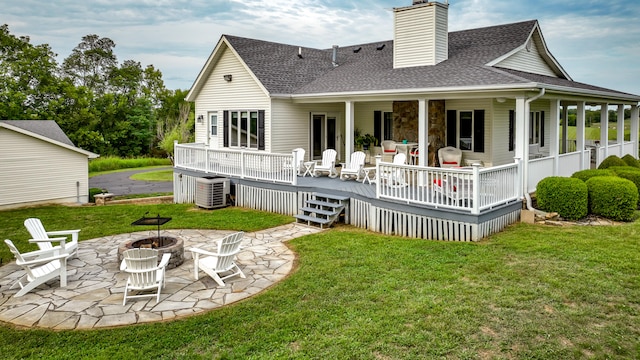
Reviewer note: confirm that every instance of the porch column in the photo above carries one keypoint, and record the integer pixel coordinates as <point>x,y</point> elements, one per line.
<point>348,124</point>
<point>580,131</point>
<point>522,142</point>
<point>554,122</point>
<point>565,126</point>
<point>635,117</point>
<point>604,128</point>
<point>620,129</point>
<point>423,129</point>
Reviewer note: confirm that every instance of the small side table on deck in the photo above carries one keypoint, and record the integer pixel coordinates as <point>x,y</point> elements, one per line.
<point>308,168</point>
<point>369,175</point>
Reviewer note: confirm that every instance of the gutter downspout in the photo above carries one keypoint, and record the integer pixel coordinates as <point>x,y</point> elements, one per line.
<point>525,168</point>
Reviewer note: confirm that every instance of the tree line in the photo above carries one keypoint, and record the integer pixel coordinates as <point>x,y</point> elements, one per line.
<point>103,106</point>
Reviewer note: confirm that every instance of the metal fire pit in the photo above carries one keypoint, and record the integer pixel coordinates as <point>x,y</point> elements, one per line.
<point>164,244</point>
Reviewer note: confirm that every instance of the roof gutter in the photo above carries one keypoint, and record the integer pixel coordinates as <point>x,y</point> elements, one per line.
<point>525,168</point>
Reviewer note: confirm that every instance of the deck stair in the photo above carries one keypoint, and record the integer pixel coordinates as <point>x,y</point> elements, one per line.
<point>323,209</point>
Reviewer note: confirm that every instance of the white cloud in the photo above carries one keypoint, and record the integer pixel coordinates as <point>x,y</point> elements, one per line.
<point>595,42</point>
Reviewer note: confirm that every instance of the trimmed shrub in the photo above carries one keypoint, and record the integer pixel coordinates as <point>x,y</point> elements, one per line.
<point>630,173</point>
<point>585,175</point>
<point>611,161</point>
<point>631,161</point>
<point>618,169</point>
<point>612,197</point>
<point>566,196</point>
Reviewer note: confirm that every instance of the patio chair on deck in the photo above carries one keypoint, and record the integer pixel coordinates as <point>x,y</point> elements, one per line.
<point>453,190</point>
<point>395,178</point>
<point>450,157</point>
<point>220,262</point>
<point>40,266</point>
<point>298,161</point>
<point>327,164</point>
<point>41,237</point>
<point>355,166</point>
<point>389,149</point>
<point>144,272</point>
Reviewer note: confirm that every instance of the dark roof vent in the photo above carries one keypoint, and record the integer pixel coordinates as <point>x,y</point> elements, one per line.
<point>357,50</point>
<point>380,47</point>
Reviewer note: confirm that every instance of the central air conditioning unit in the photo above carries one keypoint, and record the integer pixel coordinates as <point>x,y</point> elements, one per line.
<point>212,192</point>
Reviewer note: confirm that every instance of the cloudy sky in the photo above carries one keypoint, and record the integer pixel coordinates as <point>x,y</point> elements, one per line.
<point>597,42</point>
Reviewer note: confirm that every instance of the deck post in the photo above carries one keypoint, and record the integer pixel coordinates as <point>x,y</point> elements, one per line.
<point>604,128</point>
<point>620,128</point>
<point>635,117</point>
<point>554,121</point>
<point>475,208</point>
<point>378,158</point>
<point>580,124</point>
<point>295,168</point>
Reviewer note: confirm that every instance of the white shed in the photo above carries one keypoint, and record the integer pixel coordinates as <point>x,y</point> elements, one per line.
<point>39,164</point>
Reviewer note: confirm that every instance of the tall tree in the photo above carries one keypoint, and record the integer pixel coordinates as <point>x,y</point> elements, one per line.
<point>91,62</point>
<point>28,81</point>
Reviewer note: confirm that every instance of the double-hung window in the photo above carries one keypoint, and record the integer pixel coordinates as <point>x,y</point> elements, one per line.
<point>465,129</point>
<point>244,128</point>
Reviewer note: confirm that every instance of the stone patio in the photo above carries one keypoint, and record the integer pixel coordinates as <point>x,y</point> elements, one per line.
<point>93,296</point>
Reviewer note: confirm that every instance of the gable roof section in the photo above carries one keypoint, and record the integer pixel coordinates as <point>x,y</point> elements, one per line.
<point>537,42</point>
<point>46,130</point>
<point>473,64</point>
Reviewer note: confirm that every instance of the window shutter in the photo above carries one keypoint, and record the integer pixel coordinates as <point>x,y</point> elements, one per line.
<point>260,129</point>
<point>451,128</point>
<point>225,128</point>
<point>541,128</point>
<point>478,131</point>
<point>377,125</point>
<point>512,127</point>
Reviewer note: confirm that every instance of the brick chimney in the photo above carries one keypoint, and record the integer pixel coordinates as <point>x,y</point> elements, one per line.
<point>421,34</point>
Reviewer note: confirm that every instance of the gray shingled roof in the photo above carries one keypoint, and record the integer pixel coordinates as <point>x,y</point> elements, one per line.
<point>46,128</point>
<point>280,70</point>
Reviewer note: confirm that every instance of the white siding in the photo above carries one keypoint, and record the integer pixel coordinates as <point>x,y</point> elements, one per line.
<point>420,35</point>
<point>528,60</point>
<point>291,124</point>
<point>36,171</point>
<point>501,153</point>
<point>243,92</point>
<point>477,104</point>
<point>500,130</point>
<point>364,115</point>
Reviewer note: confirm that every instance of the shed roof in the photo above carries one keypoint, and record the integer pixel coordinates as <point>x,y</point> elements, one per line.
<point>47,130</point>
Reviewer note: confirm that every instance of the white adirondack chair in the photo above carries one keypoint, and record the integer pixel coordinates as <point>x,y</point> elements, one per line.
<point>395,178</point>
<point>220,262</point>
<point>327,164</point>
<point>40,266</point>
<point>355,167</point>
<point>144,272</point>
<point>298,161</point>
<point>41,237</point>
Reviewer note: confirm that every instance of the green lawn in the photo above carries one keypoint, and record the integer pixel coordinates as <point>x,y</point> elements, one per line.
<point>530,292</point>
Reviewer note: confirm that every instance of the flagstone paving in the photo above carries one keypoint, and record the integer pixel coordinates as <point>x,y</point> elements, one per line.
<point>94,292</point>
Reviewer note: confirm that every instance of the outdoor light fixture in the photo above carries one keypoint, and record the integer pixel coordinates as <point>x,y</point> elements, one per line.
<point>200,118</point>
<point>501,99</point>
<point>227,77</point>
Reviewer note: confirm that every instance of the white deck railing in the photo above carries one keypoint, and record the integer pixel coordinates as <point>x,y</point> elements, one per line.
<point>468,189</point>
<point>245,164</point>
<point>465,189</point>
